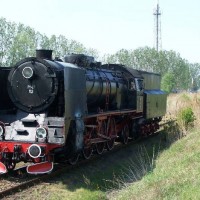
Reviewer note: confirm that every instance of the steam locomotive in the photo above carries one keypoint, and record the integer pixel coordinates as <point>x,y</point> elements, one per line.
<point>54,110</point>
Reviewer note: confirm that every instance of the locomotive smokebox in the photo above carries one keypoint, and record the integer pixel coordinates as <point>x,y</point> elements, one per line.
<point>44,54</point>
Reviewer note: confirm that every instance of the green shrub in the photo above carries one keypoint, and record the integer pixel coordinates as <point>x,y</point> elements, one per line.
<point>186,117</point>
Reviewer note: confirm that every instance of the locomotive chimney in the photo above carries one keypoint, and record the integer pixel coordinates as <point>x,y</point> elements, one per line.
<point>44,54</point>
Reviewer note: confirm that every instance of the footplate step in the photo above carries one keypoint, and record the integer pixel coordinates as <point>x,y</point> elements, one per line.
<point>3,168</point>
<point>40,168</point>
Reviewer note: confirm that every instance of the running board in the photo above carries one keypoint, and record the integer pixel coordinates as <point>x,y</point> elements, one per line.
<point>40,168</point>
<point>3,168</point>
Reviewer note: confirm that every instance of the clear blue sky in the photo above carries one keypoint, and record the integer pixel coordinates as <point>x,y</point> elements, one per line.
<point>110,25</point>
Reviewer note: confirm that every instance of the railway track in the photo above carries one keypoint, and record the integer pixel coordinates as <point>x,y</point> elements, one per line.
<point>19,180</point>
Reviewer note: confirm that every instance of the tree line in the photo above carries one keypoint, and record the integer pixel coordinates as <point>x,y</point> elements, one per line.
<point>177,73</point>
<point>19,41</point>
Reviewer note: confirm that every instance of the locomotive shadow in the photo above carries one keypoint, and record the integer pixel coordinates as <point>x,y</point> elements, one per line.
<point>115,170</point>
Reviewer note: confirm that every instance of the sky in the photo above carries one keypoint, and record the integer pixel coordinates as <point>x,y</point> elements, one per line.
<point>111,25</point>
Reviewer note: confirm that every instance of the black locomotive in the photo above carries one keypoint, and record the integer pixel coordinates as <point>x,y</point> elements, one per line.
<point>55,110</point>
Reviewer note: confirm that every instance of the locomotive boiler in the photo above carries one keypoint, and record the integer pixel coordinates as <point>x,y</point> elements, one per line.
<point>64,109</point>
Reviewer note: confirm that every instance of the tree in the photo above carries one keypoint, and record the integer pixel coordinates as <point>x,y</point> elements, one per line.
<point>7,34</point>
<point>146,59</point>
<point>164,62</point>
<point>23,45</point>
<point>168,82</point>
<point>19,41</point>
<point>92,52</point>
<point>194,70</point>
<point>108,58</point>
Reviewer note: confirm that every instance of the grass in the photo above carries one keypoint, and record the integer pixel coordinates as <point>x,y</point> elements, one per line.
<point>176,175</point>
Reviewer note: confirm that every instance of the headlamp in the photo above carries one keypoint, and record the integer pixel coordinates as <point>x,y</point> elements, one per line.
<point>27,72</point>
<point>41,133</point>
<point>34,151</point>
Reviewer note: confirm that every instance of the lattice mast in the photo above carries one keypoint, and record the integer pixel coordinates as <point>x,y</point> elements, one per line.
<point>157,27</point>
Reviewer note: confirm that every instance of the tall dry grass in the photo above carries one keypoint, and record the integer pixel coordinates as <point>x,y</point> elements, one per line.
<point>176,105</point>
<point>177,102</point>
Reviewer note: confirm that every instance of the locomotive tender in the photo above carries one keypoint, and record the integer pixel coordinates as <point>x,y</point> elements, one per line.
<point>53,111</point>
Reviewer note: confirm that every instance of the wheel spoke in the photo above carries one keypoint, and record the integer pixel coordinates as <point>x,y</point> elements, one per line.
<point>110,144</point>
<point>102,131</point>
<point>87,152</point>
<point>100,147</point>
<point>111,132</point>
<point>124,134</point>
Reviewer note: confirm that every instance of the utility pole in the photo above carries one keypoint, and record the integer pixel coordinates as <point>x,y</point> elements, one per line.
<point>157,27</point>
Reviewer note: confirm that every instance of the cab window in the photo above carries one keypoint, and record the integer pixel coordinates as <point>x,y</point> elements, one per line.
<point>139,84</point>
